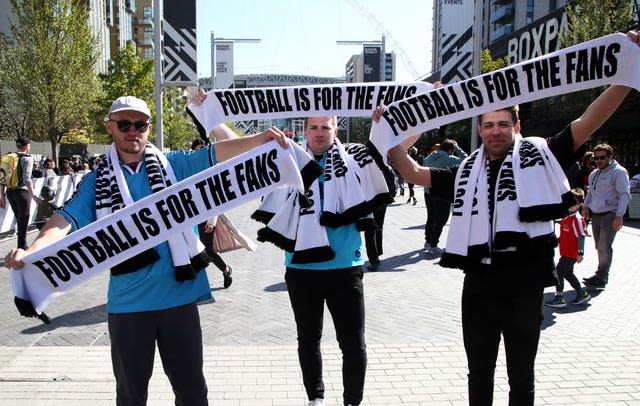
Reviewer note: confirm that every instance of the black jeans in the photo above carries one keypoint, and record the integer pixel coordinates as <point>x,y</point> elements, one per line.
<point>133,343</point>
<point>564,269</point>
<point>207,240</point>
<point>437,215</point>
<point>343,291</point>
<point>373,238</point>
<point>518,317</point>
<point>20,202</point>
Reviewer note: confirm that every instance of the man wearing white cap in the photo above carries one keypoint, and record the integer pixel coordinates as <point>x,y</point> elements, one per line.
<point>152,296</point>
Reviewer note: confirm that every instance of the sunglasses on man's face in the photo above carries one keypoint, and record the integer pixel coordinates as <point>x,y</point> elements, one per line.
<point>600,158</point>
<point>125,125</point>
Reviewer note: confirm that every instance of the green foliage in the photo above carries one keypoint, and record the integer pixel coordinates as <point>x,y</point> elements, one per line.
<point>47,69</point>
<point>178,129</point>
<point>127,75</point>
<point>488,64</point>
<point>589,19</point>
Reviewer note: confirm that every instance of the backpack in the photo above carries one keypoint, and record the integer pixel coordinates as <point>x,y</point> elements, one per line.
<point>9,173</point>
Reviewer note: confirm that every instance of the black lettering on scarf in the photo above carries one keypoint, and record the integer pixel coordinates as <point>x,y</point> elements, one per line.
<point>458,201</point>
<point>529,155</point>
<point>360,154</point>
<point>506,183</point>
<point>309,210</point>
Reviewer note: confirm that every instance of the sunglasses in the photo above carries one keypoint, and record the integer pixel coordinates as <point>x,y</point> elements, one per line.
<point>600,158</point>
<point>125,125</point>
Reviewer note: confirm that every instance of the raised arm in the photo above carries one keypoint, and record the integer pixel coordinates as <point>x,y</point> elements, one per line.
<point>601,108</point>
<point>232,147</point>
<point>409,168</point>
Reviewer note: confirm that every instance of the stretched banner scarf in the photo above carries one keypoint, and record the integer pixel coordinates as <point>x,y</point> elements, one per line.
<point>345,100</point>
<point>612,59</point>
<point>55,269</point>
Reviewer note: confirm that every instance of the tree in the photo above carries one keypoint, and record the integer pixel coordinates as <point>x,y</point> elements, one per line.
<point>587,19</point>
<point>178,130</point>
<point>127,75</point>
<point>48,79</point>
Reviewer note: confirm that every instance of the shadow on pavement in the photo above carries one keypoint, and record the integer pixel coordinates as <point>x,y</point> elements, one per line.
<point>551,312</point>
<point>278,287</point>
<point>397,262</point>
<point>94,315</point>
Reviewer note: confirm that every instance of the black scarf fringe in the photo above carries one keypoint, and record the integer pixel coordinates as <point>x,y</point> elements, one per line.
<point>26,309</point>
<point>547,212</point>
<point>136,262</point>
<point>190,271</point>
<point>268,235</point>
<point>316,254</point>
<point>349,216</point>
<point>262,216</point>
<point>528,251</point>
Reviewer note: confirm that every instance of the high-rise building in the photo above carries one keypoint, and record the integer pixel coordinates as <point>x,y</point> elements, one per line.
<point>367,66</point>
<point>120,14</point>
<point>143,28</point>
<point>453,22</point>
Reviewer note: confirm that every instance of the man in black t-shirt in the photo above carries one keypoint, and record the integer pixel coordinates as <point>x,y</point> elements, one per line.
<point>504,296</point>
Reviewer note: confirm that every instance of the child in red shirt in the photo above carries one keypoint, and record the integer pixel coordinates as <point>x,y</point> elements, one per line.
<point>573,229</point>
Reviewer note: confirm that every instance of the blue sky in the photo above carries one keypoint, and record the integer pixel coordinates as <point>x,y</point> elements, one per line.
<point>299,36</point>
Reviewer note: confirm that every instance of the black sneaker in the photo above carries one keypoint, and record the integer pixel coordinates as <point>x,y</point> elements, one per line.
<point>373,267</point>
<point>581,298</point>
<point>557,301</point>
<point>595,284</point>
<point>227,277</point>
<point>590,279</point>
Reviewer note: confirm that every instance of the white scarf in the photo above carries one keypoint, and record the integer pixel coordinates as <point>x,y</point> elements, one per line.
<point>90,250</point>
<point>353,185</point>
<point>531,191</point>
<point>112,194</point>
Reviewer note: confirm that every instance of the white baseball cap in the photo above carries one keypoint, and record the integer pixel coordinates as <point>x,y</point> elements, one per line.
<point>130,103</point>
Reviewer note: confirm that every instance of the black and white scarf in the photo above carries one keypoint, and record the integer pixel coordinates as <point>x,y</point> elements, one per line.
<point>112,194</point>
<point>353,185</point>
<point>531,190</point>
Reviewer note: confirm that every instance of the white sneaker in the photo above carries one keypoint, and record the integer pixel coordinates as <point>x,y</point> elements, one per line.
<point>316,402</point>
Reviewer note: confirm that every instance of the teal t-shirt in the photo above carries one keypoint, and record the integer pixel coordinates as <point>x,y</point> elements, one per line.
<point>345,241</point>
<point>153,287</point>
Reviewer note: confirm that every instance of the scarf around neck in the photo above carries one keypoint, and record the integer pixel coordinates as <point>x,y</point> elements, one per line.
<point>351,186</point>
<point>112,194</point>
<point>531,190</point>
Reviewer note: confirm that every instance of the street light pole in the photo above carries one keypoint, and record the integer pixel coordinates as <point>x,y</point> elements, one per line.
<point>157,43</point>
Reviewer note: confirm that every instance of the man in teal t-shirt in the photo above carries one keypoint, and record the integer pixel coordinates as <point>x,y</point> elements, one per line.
<point>338,282</point>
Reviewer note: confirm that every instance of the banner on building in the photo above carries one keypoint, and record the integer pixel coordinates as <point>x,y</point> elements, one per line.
<point>180,60</point>
<point>224,64</point>
<point>371,67</point>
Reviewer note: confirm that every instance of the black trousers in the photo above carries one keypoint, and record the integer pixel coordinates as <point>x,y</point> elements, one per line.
<point>373,238</point>
<point>343,291</point>
<point>133,343</point>
<point>437,215</point>
<point>207,240</point>
<point>518,318</point>
<point>20,202</point>
<point>564,269</point>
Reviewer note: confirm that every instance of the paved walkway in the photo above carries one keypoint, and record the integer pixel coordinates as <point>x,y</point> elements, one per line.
<point>588,355</point>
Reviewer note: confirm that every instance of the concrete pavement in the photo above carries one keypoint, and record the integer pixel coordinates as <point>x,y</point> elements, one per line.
<point>588,354</point>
